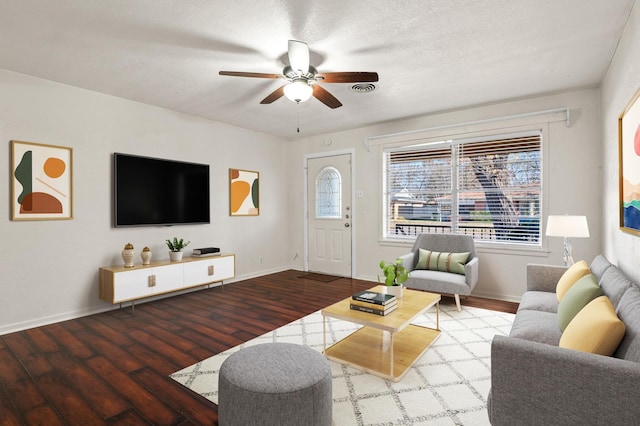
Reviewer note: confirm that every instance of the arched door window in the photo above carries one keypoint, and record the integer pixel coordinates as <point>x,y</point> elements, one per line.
<point>328,194</point>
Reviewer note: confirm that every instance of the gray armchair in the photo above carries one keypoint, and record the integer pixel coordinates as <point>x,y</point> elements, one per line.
<point>438,281</point>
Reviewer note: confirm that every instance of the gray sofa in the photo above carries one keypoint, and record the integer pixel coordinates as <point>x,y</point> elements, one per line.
<point>536,382</point>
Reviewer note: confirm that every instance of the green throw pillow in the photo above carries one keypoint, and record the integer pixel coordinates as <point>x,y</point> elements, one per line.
<point>442,261</point>
<point>577,297</point>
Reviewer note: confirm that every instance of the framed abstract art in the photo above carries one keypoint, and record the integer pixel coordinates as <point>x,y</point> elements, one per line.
<point>244,192</point>
<point>629,156</point>
<point>41,181</point>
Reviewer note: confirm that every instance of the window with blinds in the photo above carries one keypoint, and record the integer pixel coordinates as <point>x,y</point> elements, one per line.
<point>490,188</point>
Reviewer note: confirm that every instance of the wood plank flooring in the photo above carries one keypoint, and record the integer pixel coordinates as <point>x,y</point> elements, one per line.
<point>112,368</point>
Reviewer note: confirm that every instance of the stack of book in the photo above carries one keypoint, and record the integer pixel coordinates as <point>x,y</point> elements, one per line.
<point>373,302</point>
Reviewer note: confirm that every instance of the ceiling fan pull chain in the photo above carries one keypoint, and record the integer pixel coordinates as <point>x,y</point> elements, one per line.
<point>298,116</point>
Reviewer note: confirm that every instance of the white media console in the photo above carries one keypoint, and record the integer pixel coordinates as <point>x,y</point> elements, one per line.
<point>119,284</point>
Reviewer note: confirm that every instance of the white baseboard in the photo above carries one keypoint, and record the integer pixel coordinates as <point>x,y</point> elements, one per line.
<point>42,321</point>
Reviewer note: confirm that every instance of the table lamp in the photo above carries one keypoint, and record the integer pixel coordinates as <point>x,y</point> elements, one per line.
<point>567,226</point>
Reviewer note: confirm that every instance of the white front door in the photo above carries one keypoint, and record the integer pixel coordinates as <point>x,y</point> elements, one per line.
<point>329,214</point>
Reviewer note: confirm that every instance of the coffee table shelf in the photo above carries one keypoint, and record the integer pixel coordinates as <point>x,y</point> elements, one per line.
<point>386,346</point>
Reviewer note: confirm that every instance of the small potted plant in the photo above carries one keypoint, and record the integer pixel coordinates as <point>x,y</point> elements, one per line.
<point>175,248</point>
<point>394,275</point>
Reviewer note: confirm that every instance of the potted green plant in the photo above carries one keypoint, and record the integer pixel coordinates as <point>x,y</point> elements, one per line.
<point>175,248</point>
<point>395,274</point>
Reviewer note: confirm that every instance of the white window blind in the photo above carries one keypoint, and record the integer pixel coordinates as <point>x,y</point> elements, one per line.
<point>488,187</point>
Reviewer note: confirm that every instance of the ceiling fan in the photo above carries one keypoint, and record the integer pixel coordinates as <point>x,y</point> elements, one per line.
<point>303,78</point>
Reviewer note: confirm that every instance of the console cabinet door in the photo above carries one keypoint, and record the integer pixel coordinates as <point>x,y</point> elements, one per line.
<point>167,278</point>
<point>209,270</point>
<point>146,282</point>
<point>131,284</point>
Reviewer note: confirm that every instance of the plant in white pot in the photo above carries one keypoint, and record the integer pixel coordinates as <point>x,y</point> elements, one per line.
<point>175,248</point>
<point>395,274</point>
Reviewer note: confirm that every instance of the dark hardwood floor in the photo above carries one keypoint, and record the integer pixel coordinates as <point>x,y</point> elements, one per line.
<point>113,367</point>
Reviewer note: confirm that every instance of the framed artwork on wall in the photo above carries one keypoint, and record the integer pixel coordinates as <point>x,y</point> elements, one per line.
<point>41,181</point>
<point>629,156</point>
<point>244,192</point>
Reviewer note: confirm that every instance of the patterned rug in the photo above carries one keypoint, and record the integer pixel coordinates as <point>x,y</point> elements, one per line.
<point>447,386</point>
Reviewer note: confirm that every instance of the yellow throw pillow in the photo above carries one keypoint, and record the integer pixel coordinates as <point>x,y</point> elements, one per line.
<point>595,329</point>
<point>570,277</point>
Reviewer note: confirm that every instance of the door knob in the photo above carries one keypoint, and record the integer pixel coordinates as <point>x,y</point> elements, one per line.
<point>346,225</point>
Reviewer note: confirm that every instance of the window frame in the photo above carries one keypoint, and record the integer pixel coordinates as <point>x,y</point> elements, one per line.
<point>398,142</point>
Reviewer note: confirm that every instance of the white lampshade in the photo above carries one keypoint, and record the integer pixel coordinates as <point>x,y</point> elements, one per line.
<point>567,226</point>
<point>298,91</point>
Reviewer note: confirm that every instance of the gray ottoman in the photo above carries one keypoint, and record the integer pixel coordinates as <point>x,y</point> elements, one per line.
<point>275,384</point>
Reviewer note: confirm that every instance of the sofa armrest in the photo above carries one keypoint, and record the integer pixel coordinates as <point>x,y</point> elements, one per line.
<point>543,277</point>
<point>408,261</point>
<point>471,272</point>
<point>533,383</point>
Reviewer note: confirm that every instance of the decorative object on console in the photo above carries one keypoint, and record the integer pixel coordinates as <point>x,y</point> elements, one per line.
<point>629,151</point>
<point>146,256</point>
<point>567,226</point>
<point>128,253</point>
<point>41,181</point>
<point>244,193</point>
<point>176,246</point>
<point>395,274</point>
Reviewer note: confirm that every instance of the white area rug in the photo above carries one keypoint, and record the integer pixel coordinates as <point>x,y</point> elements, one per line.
<point>447,386</point>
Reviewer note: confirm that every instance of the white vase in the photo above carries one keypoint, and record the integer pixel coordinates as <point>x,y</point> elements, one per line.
<point>146,257</point>
<point>175,256</point>
<point>396,290</point>
<point>127,256</point>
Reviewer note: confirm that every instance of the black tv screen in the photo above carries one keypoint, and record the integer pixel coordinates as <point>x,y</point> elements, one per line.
<point>153,191</point>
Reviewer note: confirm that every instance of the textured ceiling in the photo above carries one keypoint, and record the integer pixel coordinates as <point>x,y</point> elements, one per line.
<point>431,55</point>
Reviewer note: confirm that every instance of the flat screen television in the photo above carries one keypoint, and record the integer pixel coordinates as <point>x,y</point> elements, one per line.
<point>154,191</point>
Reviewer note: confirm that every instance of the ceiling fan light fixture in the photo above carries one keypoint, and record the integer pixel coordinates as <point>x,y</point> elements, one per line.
<point>298,91</point>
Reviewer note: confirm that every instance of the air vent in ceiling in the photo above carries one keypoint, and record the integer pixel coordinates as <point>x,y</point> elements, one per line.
<point>363,87</point>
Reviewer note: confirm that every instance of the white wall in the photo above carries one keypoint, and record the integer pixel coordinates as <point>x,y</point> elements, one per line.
<point>573,170</point>
<point>620,84</point>
<point>50,268</point>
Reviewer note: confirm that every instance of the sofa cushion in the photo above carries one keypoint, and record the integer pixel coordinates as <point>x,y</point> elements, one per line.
<point>442,261</point>
<point>614,284</point>
<point>576,298</point>
<point>570,277</point>
<point>536,326</point>
<point>595,329</point>
<point>598,266</point>
<point>538,301</point>
<point>629,312</point>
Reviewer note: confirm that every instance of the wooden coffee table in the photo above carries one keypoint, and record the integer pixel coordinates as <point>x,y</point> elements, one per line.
<point>389,345</point>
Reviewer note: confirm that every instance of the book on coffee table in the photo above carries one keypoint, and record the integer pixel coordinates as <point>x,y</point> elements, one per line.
<point>373,310</point>
<point>375,305</point>
<point>374,297</point>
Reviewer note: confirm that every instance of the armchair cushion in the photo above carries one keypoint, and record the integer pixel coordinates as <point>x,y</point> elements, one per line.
<point>442,261</point>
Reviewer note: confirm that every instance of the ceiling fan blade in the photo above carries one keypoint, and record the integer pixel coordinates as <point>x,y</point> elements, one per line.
<point>325,97</point>
<point>299,56</point>
<point>274,96</point>
<point>347,77</point>
<point>249,74</point>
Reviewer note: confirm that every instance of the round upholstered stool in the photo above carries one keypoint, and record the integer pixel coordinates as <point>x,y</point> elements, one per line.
<point>275,384</point>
